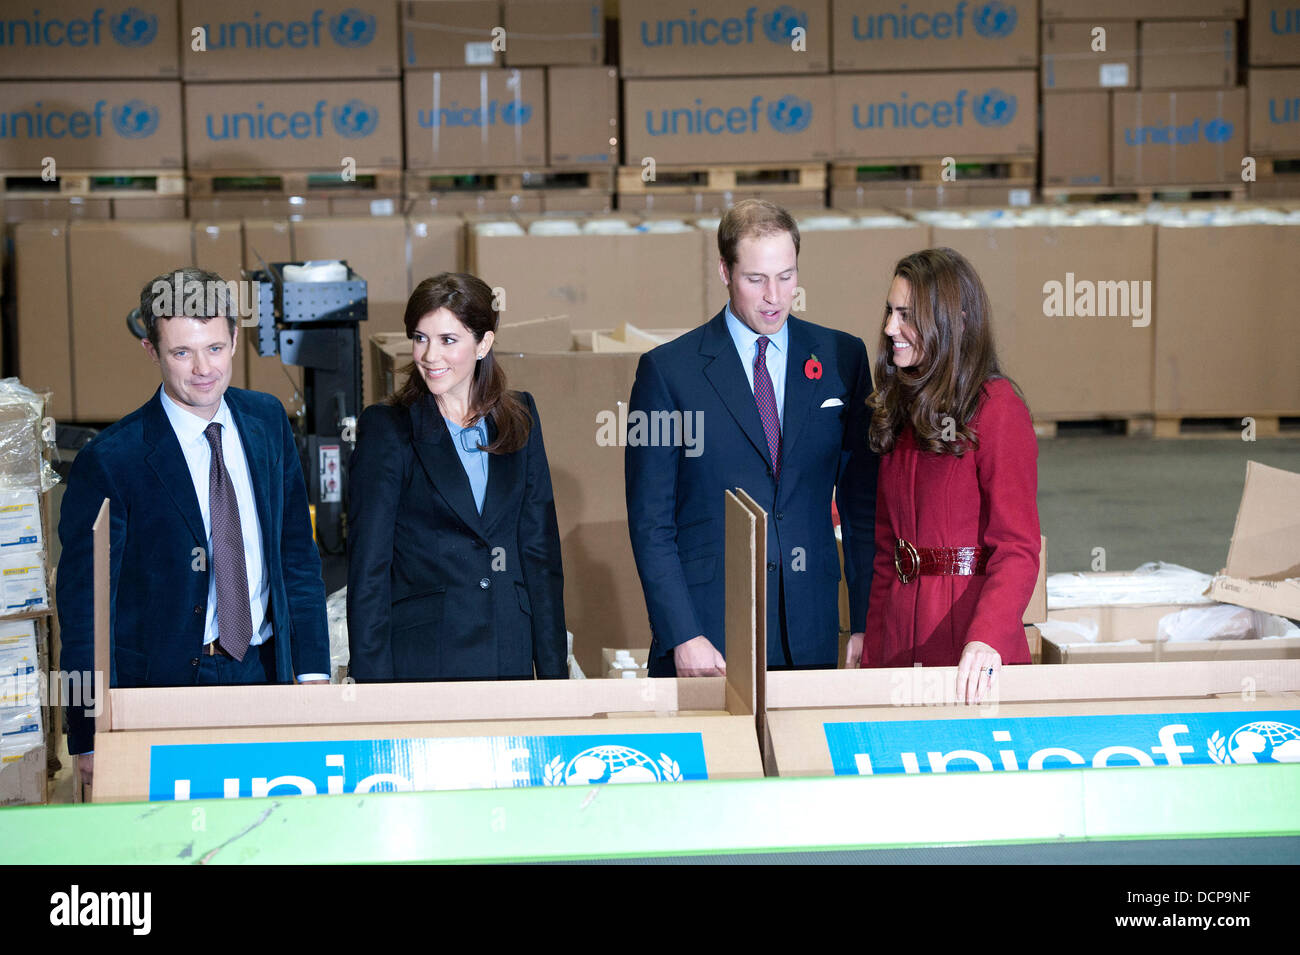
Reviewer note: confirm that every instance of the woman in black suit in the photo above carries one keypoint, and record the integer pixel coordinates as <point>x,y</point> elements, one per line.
<point>454,553</point>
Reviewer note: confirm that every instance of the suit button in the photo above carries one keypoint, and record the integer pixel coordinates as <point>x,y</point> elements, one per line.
<point>780,516</point>
<point>198,608</point>
<point>194,662</point>
<point>485,583</point>
<point>771,565</point>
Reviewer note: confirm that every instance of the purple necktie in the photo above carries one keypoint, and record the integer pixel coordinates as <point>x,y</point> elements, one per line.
<point>766,399</point>
<point>234,618</point>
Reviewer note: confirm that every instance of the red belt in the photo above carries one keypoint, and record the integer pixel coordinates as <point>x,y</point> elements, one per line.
<point>911,561</point>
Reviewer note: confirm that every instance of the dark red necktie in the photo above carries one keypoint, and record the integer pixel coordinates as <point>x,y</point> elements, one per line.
<point>234,618</point>
<point>765,397</point>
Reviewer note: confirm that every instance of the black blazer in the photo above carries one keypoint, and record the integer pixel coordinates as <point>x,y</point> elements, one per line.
<point>436,591</point>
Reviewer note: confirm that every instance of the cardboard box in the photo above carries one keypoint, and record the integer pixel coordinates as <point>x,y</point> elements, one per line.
<point>466,119</point>
<point>1190,345</point>
<point>906,115</point>
<point>150,207</point>
<point>1193,136</point>
<point>23,779</point>
<point>437,34</point>
<point>263,207</point>
<point>1188,55</point>
<point>43,321</point>
<point>1264,555</point>
<point>22,583</point>
<point>1274,112</point>
<point>773,119</point>
<point>1076,139</point>
<point>882,35</point>
<point>554,32</point>
<point>1274,33</point>
<point>729,38</point>
<point>1143,10</point>
<point>582,115</point>
<point>1108,357</point>
<point>290,40</point>
<point>232,126</point>
<point>1070,61</point>
<point>90,126</point>
<point>650,279</point>
<point>74,207</point>
<point>915,194</point>
<point>475,203</point>
<point>537,335</point>
<point>20,512</point>
<point>69,39</point>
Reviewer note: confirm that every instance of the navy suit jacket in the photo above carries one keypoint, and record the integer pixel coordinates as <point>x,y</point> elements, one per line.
<point>437,591</point>
<point>159,588</point>
<point>675,502</point>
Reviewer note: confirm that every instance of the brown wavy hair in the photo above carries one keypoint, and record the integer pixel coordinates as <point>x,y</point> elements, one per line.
<point>950,316</point>
<point>470,300</point>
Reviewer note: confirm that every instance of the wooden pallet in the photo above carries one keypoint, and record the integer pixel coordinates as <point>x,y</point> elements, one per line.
<point>423,182</point>
<point>992,170</point>
<point>97,184</point>
<point>268,183</point>
<point>684,180</point>
<point>1277,167</point>
<point>1225,426</point>
<point>1172,193</point>
<point>1134,426</point>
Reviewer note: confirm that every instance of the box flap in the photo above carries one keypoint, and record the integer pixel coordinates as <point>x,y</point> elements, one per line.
<point>1266,539</point>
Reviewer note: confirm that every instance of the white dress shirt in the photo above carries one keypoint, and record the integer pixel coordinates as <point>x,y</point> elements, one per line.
<point>778,348</point>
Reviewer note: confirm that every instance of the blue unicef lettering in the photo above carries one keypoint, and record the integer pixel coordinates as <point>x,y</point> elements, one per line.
<point>1218,131</point>
<point>516,114</point>
<point>995,20</point>
<point>1063,742</point>
<point>352,28</point>
<point>135,119</point>
<point>1215,130</point>
<point>789,114</point>
<point>1284,22</point>
<point>779,25</point>
<point>994,108</point>
<point>354,119</point>
<point>134,27</point>
<point>243,770</point>
<point>453,115</point>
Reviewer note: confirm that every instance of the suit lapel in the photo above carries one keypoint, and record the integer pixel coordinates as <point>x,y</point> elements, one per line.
<point>799,388</point>
<point>442,464</point>
<point>727,376</point>
<point>257,454</point>
<point>505,473</point>
<point>167,460</point>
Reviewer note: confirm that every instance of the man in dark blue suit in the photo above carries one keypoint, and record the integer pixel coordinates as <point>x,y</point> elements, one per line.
<point>215,577</point>
<point>778,408</point>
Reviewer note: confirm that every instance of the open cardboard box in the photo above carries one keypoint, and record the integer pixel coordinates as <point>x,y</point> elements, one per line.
<point>1263,569</point>
<point>196,742</point>
<point>875,721</point>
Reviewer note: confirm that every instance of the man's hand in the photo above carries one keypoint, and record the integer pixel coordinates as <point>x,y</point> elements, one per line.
<point>86,768</point>
<point>697,657</point>
<point>853,651</point>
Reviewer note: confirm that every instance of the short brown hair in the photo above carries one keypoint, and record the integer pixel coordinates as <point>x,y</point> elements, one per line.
<point>751,219</point>
<point>170,295</point>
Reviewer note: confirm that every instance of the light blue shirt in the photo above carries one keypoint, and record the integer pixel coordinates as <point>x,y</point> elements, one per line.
<point>189,429</point>
<point>466,441</point>
<point>777,354</point>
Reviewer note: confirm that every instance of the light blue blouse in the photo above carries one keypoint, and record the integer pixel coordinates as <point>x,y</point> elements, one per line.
<point>475,462</point>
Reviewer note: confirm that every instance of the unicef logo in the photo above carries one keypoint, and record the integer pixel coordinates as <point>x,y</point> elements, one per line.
<point>995,20</point>
<point>133,27</point>
<point>1266,742</point>
<point>780,23</point>
<point>789,114</point>
<point>354,119</point>
<point>995,108</point>
<point>352,28</point>
<point>611,764</point>
<point>135,119</point>
<point>516,114</point>
<point>1218,131</point>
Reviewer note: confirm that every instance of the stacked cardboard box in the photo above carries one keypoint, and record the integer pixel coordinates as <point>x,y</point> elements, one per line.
<point>1273,85</point>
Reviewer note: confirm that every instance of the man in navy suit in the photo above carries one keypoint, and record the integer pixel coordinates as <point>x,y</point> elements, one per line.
<point>215,576</point>
<point>779,409</point>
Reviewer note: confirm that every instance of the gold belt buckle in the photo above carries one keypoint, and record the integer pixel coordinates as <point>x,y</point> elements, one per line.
<point>915,558</point>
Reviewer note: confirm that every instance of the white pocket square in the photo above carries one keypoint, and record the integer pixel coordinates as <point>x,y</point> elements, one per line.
<point>832,403</point>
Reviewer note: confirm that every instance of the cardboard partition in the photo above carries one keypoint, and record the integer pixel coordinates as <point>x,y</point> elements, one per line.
<point>316,125</point>
<point>1274,35</point>
<point>449,33</point>
<point>910,115</point>
<point>722,38</point>
<point>86,126</point>
<point>1143,10</point>
<point>1070,62</point>
<point>231,742</point>
<point>1274,113</point>
<point>699,121</point>
<point>1076,139</point>
<point>467,119</point>
<point>1188,54</point>
<point>554,32</point>
<point>582,115</point>
<point>1189,136</point>
<point>43,327</point>
<point>884,35</point>
<point>70,39</point>
<point>1263,569</point>
<point>297,39</point>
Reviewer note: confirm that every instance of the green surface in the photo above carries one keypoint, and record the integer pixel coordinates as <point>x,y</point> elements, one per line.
<point>664,819</point>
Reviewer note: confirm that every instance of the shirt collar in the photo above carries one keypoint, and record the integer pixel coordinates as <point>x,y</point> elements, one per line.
<point>188,426</point>
<point>745,337</point>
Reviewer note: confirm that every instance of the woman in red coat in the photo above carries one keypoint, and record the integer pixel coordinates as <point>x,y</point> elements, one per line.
<point>957,537</point>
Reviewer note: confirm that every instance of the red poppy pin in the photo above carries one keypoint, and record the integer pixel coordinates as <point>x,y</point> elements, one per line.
<point>812,369</point>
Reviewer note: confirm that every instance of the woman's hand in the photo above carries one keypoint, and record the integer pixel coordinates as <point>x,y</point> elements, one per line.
<point>853,651</point>
<point>976,671</point>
